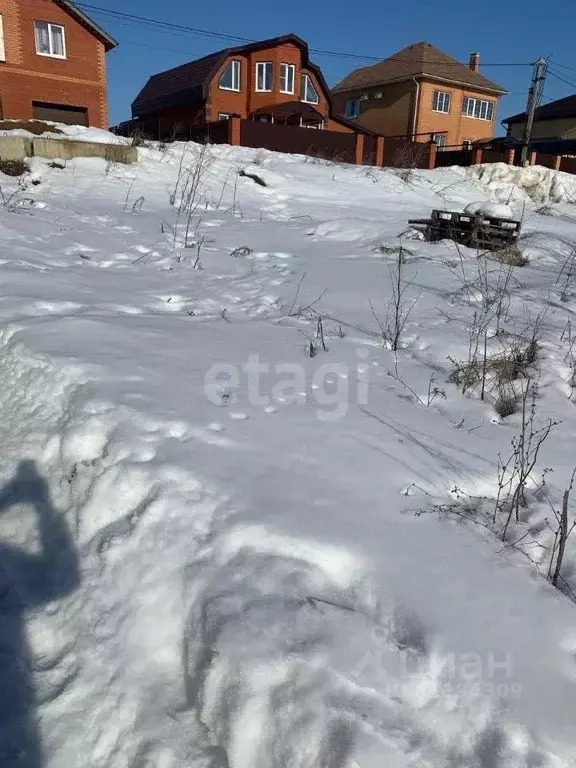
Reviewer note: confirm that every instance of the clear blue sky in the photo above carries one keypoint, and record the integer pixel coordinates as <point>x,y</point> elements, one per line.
<point>502,32</point>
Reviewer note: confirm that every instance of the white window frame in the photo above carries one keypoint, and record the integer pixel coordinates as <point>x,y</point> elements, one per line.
<point>2,45</point>
<point>287,71</point>
<point>357,111</point>
<point>478,109</point>
<point>223,115</point>
<point>440,140</point>
<point>236,76</point>
<point>263,65</point>
<point>467,144</point>
<point>441,102</point>
<point>51,27</point>
<point>304,76</point>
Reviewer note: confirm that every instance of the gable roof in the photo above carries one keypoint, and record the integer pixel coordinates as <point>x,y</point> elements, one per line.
<point>187,85</point>
<point>565,107</point>
<point>418,60</point>
<point>73,10</point>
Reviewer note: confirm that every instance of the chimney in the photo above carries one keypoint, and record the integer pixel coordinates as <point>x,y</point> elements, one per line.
<point>474,63</point>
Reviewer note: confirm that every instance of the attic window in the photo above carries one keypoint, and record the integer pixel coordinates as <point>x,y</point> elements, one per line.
<point>308,93</point>
<point>230,77</point>
<point>50,40</point>
<point>352,108</point>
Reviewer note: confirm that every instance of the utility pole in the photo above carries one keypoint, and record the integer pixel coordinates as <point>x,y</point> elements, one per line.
<point>534,94</point>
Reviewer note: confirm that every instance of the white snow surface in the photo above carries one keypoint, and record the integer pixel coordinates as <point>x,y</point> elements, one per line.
<point>245,568</point>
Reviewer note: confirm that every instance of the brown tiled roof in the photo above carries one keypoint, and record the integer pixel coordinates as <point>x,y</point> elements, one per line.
<point>183,85</point>
<point>416,60</point>
<point>186,86</point>
<point>556,109</point>
<point>107,39</point>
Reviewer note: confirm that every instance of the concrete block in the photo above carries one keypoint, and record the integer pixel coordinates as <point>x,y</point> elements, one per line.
<point>15,148</point>
<point>65,149</point>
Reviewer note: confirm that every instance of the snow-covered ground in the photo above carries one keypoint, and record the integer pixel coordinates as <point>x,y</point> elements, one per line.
<point>221,551</point>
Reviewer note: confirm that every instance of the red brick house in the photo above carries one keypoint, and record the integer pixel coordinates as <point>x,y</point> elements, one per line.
<point>271,81</point>
<point>52,63</point>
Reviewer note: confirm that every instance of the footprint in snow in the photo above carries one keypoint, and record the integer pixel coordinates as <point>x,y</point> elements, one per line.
<point>216,427</point>
<point>237,416</point>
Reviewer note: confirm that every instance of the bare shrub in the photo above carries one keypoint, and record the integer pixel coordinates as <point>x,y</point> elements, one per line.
<point>14,167</point>
<point>407,158</point>
<point>242,250</point>
<point>398,309</point>
<point>390,250</point>
<point>259,158</point>
<point>13,199</point>
<point>567,276</point>
<point>515,472</point>
<point>561,535</point>
<point>546,210</point>
<point>511,255</point>
<point>498,358</point>
<point>189,188</point>
<point>507,401</point>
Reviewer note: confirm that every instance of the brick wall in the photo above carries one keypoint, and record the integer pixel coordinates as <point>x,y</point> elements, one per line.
<point>248,99</point>
<point>455,125</point>
<point>388,115</point>
<point>77,81</point>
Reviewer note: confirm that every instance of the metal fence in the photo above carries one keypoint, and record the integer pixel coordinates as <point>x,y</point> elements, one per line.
<point>449,157</point>
<point>403,153</point>
<point>330,145</point>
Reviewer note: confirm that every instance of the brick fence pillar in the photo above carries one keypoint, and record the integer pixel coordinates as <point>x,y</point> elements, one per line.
<point>532,157</point>
<point>234,131</point>
<point>510,156</point>
<point>477,156</point>
<point>557,162</point>
<point>359,149</point>
<point>432,152</point>
<point>379,151</point>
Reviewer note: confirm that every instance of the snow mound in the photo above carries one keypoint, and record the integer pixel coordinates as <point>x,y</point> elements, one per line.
<point>350,230</point>
<point>509,183</point>
<point>69,132</point>
<point>499,210</point>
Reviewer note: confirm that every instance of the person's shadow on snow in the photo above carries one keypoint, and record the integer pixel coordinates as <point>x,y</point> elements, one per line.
<point>26,582</point>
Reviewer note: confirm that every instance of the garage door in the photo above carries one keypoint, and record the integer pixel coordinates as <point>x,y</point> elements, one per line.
<point>60,113</point>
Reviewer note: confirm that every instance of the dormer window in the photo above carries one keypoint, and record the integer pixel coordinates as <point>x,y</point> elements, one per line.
<point>230,77</point>
<point>308,93</point>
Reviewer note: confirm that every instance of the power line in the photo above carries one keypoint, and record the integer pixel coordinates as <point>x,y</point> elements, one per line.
<point>559,77</point>
<point>557,64</point>
<point>171,26</point>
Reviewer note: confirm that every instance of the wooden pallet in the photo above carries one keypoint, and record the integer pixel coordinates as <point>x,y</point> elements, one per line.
<point>475,231</point>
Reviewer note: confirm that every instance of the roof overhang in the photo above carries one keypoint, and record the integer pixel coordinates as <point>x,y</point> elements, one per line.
<point>108,40</point>
<point>423,76</point>
<point>289,108</point>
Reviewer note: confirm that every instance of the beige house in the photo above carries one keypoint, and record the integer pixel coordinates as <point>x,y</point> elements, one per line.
<point>423,93</point>
<point>556,120</point>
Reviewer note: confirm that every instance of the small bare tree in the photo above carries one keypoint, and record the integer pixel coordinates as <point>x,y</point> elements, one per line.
<point>515,472</point>
<point>399,308</point>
